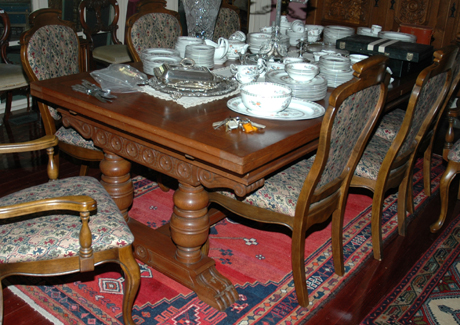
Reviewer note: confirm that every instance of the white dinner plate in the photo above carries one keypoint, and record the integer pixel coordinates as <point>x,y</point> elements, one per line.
<point>298,109</point>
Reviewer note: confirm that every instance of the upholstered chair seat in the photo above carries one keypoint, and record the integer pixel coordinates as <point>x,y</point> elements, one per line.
<point>57,235</point>
<point>112,54</point>
<point>12,77</point>
<point>281,191</point>
<point>372,159</point>
<point>70,136</point>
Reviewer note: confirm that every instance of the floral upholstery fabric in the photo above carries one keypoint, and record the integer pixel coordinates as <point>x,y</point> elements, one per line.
<point>454,153</point>
<point>53,52</point>
<point>57,236</point>
<point>390,124</point>
<point>70,136</point>
<point>227,23</point>
<point>281,191</point>
<point>155,30</point>
<point>427,98</point>
<point>372,158</point>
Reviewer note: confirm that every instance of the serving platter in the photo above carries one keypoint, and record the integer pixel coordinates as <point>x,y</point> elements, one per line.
<point>298,109</point>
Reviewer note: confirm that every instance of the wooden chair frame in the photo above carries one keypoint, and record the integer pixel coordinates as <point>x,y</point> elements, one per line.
<point>396,171</point>
<point>145,7</point>
<point>38,19</point>
<point>315,205</point>
<point>4,43</point>
<point>87,258</point>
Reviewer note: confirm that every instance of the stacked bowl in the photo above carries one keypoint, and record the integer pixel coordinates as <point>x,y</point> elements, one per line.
<point>154,57</point>
<point>335,69</point>
<point>332,33</point>
<point>265,98</point>
<point>202,54</point>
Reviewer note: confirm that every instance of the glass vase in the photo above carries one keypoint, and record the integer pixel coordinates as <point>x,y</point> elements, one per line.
<point>201,16</point>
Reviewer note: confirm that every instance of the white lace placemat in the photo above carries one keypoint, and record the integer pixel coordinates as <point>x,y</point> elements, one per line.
<point>187,101</point>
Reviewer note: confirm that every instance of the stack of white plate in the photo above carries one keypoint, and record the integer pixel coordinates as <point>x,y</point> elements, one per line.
<point>183,41</point>
<point>332,33</point>
<point>312,90</point>
<point>295,37</point>
<point>367,31</point>
<point>202,54</point>
<point>336,69</point>
<point>256,40</point>
<point>145,53</point>
<point>153,61</point>
<point>397,36</point>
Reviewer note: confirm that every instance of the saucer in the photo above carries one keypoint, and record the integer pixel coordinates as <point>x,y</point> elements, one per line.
<point>298,109</point>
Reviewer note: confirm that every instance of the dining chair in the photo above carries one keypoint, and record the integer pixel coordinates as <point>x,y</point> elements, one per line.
<point>391,123</point>
<point>153,26</point>
<point>12,76</point>
<point>93,18</point>
<point>62,227</point>
<point>389,163</point>
<point>228,21</point>
<point>51,49</point>
<point>452,169</point>
<point>311,190</point>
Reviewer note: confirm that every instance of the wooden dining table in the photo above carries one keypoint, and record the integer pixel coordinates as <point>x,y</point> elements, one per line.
<point>181,143</point>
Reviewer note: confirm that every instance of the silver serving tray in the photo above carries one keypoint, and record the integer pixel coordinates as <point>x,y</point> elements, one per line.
<point>185,79</point>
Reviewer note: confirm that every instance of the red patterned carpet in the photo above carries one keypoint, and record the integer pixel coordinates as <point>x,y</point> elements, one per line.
<point>255,258</point>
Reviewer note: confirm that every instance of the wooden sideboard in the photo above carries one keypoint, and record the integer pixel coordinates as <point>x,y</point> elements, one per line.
<point>441,15</point>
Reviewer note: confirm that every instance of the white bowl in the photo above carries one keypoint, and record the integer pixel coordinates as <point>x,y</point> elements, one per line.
<point>265,98</point>
<point>302,71</point>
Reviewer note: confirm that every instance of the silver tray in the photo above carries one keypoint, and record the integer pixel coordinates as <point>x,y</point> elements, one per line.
<point>221,86</point>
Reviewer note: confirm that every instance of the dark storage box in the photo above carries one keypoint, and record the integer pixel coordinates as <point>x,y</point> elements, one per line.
<point>405,57</point>
<point>399,50</point>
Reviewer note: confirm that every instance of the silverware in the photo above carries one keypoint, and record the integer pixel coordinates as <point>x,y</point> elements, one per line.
<point>100,91</point>
<point>84,90</point>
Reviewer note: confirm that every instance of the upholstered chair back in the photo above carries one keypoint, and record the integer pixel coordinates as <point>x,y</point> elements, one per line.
<point>228,22</point>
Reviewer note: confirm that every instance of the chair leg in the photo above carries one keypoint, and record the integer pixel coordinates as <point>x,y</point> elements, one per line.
<point>9,101</point>
<point>337,242</point>
<point>403,198</point>
<point>132,282</point>
<point>298,266</point>
<point>427,170</point>
<point>446,179</point>
<point>376,223</point>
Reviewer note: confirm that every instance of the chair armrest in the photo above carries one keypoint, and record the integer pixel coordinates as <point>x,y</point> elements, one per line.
<point>42,143</point>
<point>80,203</point>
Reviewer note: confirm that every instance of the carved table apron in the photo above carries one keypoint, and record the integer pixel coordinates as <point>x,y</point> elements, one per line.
<point>180,143</point>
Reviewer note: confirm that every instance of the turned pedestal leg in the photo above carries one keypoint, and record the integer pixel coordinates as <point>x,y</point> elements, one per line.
<point>117,181</point>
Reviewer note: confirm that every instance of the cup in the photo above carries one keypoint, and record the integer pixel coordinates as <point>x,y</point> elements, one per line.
<point>292,60</point>
<point>238,35</point>
<point>245,69</point>
<point>235,48</point>
<point>275,66</point>
<point>246,77</point>
<point>266,29</point>
<point>298,26</point>
<point>375,29</point>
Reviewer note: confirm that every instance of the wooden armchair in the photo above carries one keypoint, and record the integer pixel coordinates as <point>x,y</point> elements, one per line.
<point>153,26</point>
<point>62,228</point>
<point>12,76</point>
<point>388,159</point>
<point>311,190</point>
<point>93,21</point>
<point>51,49</point>
<point>228,21</point>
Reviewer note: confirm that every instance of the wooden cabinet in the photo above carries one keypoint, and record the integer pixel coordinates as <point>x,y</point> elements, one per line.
<point>441,15</point>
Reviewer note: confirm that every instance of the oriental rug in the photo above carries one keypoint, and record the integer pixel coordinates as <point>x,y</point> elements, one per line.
<point>430,292</point>
<point>254,257</point>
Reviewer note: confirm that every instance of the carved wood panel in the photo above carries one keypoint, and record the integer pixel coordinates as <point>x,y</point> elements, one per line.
<point>350,11</point>
<point>413,12</point>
